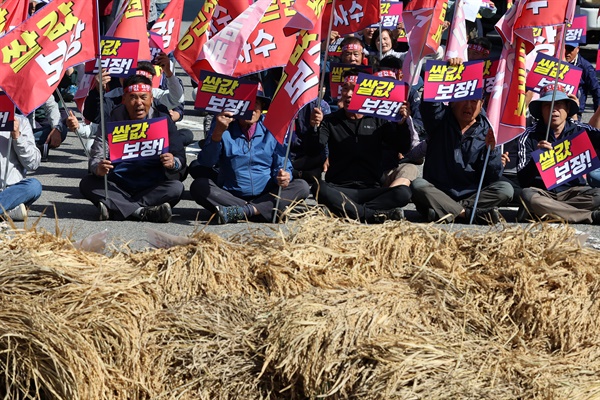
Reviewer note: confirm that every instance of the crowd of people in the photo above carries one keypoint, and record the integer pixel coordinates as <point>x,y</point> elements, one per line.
<point>356,166</point>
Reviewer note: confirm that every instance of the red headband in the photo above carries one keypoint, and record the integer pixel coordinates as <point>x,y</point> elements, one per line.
<point>478,48</point>
<point>138,87</point>
<point>352,46</point>
<point>144,73</point>
<point>550,87</point>
<point>351,79</point>
<point>385,73</point>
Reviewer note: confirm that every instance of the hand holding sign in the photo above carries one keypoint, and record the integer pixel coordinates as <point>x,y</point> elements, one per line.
<point>16,132</point>
<point>103,168</point>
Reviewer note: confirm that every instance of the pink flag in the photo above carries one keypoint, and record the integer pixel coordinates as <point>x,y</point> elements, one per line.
<point>457,38</point>
<point>223,50</point>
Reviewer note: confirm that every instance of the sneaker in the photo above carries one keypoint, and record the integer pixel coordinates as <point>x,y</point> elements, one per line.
<point>395,214</point>
<point>484,216</point>
<point>226,215</point>
<point>103,214</point>
<point>19,213</point>
<point>160,213</point>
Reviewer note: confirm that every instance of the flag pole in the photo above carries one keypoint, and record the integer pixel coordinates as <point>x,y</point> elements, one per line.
<point>101,92</point>
<point>10,139</point>
<point>62,101</point>
<point>285,162</point>
<point>564,39</point>
<point>324,66</point>
<point>487,157</point>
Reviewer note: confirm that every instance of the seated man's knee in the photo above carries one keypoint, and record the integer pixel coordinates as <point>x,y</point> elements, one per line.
<point>505,191</point>
<point>419,184</point>
<point>200,190</point>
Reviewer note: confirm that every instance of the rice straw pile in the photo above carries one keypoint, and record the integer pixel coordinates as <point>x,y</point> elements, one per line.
<point>331,309</point>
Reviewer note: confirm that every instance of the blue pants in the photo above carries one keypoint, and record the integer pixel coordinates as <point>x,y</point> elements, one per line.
<point>27,191</point>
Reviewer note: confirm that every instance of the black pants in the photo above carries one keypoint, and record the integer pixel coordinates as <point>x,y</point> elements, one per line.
<point>208,194</point>
<point>361,203</point>
<point>121,203</point>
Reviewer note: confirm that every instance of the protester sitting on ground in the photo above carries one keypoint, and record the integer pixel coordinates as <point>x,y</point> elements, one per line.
<point>352,186</point>
<point>18,192</point>
<point>46,124</point>
<point>573,201</point>
<point>251,170</point>
<point>455,163</point>
<point>143,189</point>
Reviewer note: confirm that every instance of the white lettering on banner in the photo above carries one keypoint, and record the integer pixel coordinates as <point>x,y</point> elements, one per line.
<point>3,118</point>
<point>304,79</point>
<point>264,49</point>
<point>52,64</point>
<point>216,49</point>
<point>574,35</point>
<point>570,89</point>
<point>215,104</point>
<point>218,22</point>
<point>357,16</point>
<point>536,5</point>
<point>231,31</point>
<point>423,19</point>
<point>245,55</point>
<point>119,66</point>
<point>343,20</point>
<point>165,29</point>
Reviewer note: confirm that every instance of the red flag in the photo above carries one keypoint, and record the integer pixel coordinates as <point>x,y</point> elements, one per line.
<point>423,21</point>
<point>267,47</point>
<point>308,15</point>
<point>36,53</point>
<point>168,25</point>
<point>190,45</point>
<point>299,83</point>
<point>225,12</point>
<point>133,26</point>
<point>223,50</point>
<point>350,16</point>
<point>536,13</point>
<point>12,13</point>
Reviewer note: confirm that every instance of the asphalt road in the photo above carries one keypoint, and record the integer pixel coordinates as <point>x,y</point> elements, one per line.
<point>62,209</point>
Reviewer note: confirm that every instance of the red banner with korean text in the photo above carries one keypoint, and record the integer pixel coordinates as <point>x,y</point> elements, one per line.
<point>225,12</point>
<point>513,111</point>
<point>218,93</point>
<point>536,13</point>
<point>12,13</point>
<point>7,113</point>
<point>423,21</point>
<point>36,53</point>
<point>453,83</point>
<point>335,48</point>
<point>118,56</point>
<point>379,97</point>
<point>168,25</point>
<point>190,45</point>
<point>545,70</point>
<point>267,47</point>
<point>299,84</point>
<point>350,16</point>
<point>133,26</point>
<point>308,14</point>
<point>132,140</point>
<point>336,76</point>
<point>567,160</point>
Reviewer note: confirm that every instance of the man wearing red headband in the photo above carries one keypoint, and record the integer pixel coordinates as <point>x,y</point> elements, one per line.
<point>143,189</point>
<point>353,181</point>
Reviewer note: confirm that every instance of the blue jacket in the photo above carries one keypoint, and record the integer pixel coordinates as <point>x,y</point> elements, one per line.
<point>247,168</point>
<point>454,161</point>
<point>588,84</point>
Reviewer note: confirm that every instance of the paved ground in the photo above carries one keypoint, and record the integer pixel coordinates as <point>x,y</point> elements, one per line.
<point>62,207</point>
